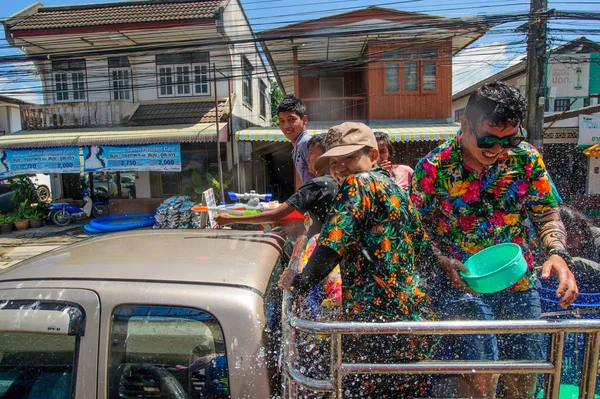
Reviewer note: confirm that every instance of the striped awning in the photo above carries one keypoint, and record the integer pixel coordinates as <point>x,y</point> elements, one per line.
<point>398,130</point>
<point>118,135</point>
<point>593,151</point>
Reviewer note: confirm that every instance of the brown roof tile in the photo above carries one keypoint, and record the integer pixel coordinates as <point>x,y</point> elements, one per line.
<point>117,13</point>
<point>176,114</point>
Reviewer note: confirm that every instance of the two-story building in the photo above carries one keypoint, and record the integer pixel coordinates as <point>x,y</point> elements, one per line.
<point>390,69</point>
<point>576,176</point>
<point>157,87</point>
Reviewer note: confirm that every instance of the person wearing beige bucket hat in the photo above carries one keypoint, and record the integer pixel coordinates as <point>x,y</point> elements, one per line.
<point>375,234</point>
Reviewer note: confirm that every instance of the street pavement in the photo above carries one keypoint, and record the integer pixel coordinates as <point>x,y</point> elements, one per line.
<point>20,245</point>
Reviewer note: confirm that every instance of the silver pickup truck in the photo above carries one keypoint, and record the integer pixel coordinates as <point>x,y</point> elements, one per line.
<point>150,314</point>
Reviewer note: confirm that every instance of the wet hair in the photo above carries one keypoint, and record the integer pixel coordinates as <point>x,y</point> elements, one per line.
<point>291,103</point>
<point>575,221</point>
<point>320,140</point>
<point>381,136</point>
<point>497,103</point>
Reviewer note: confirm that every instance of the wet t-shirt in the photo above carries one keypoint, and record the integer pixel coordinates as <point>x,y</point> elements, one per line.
<point>314,198</point>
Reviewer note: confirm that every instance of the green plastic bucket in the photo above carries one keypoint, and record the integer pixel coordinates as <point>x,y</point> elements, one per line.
<point>495,268</point>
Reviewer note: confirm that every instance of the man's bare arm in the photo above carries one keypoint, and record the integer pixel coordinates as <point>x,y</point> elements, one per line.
<point>550,229</point>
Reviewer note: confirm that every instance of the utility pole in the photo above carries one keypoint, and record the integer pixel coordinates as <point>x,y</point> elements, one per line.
<point>536,72</point>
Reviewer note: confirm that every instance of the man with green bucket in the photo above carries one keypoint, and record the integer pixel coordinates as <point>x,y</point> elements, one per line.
<point>486,187</point>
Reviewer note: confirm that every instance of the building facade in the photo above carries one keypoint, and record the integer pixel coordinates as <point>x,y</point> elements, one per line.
<point>167,79</point>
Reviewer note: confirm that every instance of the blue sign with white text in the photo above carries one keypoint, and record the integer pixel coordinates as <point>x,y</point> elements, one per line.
<point>152,157</point>
<point>39,160</point>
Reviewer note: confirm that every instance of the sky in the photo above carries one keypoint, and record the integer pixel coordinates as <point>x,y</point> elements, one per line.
<point>497,50</point>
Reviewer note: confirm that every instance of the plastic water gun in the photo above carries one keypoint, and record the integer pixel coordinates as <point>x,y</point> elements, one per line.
<point>255,203</point>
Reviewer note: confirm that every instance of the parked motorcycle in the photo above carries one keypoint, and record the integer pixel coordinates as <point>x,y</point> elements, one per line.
<point>62,214</point>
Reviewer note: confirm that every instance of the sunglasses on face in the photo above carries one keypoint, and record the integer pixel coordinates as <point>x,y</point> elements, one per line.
<point>505,142</point>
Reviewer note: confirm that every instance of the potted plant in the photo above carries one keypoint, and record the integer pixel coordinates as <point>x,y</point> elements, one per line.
<point>6,223</point>
<point>20,216</point>
<point>36,214</point>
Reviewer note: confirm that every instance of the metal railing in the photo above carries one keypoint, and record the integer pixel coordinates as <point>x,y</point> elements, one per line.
<point>552,367</point>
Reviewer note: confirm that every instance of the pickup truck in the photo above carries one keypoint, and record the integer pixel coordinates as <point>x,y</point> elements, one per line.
<point>147,314</point>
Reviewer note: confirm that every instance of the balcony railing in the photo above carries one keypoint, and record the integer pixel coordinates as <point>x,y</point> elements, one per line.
<point>56,116</point>
<point>336,108</point>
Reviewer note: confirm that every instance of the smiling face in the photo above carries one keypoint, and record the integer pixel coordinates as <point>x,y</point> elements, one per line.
<point>481,158</point>
<point>292,125</point>
<point>341,167</point>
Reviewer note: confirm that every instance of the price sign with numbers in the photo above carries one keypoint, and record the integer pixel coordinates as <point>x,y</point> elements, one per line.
<point>39,160</point>
<point>152,157</point>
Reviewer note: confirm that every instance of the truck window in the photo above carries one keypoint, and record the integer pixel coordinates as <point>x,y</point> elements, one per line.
<point>166,352</point>
<point>38,348</point>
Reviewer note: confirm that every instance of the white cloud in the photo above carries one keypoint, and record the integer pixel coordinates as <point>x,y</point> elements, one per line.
<point>477,63</point>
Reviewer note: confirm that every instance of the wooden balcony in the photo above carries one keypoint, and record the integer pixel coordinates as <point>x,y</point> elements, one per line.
<point>336,108</point>
<point>59,116</point>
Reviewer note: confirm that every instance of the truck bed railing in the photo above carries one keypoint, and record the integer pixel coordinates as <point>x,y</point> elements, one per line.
<point>551,367</point>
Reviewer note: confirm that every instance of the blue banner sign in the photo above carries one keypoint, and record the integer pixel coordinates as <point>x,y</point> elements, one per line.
<point>39,160</point>
<point>152,157</point>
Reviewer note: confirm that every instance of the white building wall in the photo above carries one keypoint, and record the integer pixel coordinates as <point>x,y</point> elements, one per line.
<point>143,69</point>
<point>4,119</point>
<point>10,118</point>
<point>15,119</point>
<point>98,84</point>
<point>242,36</point>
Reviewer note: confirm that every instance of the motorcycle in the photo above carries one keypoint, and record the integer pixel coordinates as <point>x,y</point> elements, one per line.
<point>62,214</point>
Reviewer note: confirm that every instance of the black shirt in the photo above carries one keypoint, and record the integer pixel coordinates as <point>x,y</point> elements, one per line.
<point>315,197</point>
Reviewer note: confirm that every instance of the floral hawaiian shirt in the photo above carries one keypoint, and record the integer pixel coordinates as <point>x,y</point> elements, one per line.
<point>466,211</point>
<point>378,232</point>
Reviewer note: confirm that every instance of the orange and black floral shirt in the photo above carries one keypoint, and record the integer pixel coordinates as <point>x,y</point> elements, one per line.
<point>466,211</point>
<point>377,230</point>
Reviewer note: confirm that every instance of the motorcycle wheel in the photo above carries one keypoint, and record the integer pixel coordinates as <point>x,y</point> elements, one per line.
<point>99,211</point>
<point>61,218</point>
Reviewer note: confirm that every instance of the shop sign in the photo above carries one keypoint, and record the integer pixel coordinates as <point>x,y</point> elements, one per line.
<point>39,160</point>
<point>568,75</point>
<point>589,130</point>
<point>152,157</point>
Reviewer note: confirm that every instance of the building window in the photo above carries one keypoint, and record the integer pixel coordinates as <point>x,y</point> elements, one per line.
<point>429,76</point>
<point>411,82</point>
<point>414,68</point>
<point>263,99</point>
<point>561,104</point>
<point>69,80</point>
<point>586,102</point>
<point>247,81</point>
<point>458,114</point>
<point>120,77</point>
<point>201,79</point>
<point>392,80</point>
<point>183,74</point>
<point>331,87</point>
